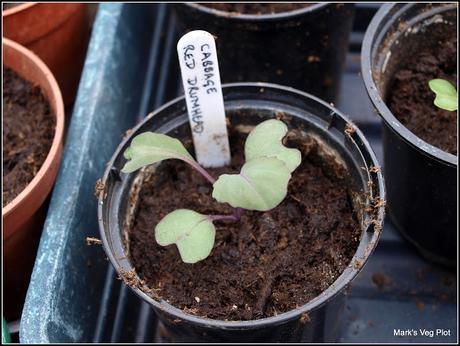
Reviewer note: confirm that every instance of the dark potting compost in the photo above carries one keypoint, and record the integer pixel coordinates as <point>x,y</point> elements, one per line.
<point>28,131</point>
<point>256,8</point>
<point>269,262</point>
<point>411,99</point>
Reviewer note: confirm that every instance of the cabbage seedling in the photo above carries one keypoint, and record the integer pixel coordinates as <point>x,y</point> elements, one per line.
<point>261,184</point>
<point>446,94</point>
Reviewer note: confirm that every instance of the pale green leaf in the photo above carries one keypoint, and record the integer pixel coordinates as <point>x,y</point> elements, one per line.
<point>192,232</point>
<point>448,103</point>
<point>266,140</point>
<point>442,86</point>
<point>150,147</point>
<point>446,94</point>
<point>261,185</point>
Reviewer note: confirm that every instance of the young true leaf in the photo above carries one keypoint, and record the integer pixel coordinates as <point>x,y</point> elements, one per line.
<point>150,147</point>
<point>265,140</point>
<point>446,94</point>
<point>261,185</point>
<point>192,232</point>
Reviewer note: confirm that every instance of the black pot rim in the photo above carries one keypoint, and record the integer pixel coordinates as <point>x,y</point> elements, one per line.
<point>257,17</point>
<point>336,287</point>
<point>383,110</point>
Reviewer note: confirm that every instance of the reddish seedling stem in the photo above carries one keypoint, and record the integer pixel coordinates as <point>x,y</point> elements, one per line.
<point>202,171</point>
<point>222,217</point>
<point>238,212</point>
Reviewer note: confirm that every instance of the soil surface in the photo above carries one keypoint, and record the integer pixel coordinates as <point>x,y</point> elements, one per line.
<point>255,8</point>
<point>411,99</point>
<point>28,132</point>
<point>268,263</point>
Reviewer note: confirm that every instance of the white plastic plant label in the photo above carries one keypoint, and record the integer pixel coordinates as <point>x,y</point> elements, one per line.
<point>203,93</point>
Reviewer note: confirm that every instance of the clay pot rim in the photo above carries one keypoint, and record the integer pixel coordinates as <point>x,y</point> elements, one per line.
<point>257,17</point>
<point>58,109</point>
<point>18,8</point>
<point>26,6</point>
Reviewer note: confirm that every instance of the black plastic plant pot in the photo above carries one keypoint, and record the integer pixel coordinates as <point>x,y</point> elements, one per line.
<point>420,178</point>
<point>304,48</point>
<point>246,105</point>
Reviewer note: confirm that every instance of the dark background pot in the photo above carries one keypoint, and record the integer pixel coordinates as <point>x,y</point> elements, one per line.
<point>305,48</point>
<point>421,179</point>
<point>249,104</point>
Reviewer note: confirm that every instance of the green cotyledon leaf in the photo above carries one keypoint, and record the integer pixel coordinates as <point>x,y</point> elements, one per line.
<point>261,185</point>
<point>266,140</point>
<point>446,94</point>
<point>149,147</point>
<point>192,232</point>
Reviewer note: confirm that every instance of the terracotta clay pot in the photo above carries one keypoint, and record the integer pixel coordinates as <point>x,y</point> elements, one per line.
<point>57,33</point>
<point>23,216</point>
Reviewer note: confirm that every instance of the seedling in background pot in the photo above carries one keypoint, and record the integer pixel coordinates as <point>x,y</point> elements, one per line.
<point>446,94</point>
<point>261,184</point>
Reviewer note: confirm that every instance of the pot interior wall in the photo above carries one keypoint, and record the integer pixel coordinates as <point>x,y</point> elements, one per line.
<point>417,29</point>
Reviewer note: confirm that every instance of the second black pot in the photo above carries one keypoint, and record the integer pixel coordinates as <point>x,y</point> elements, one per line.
<point>421,179</point>
<point>247,105</point>
<point>304,48</point>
